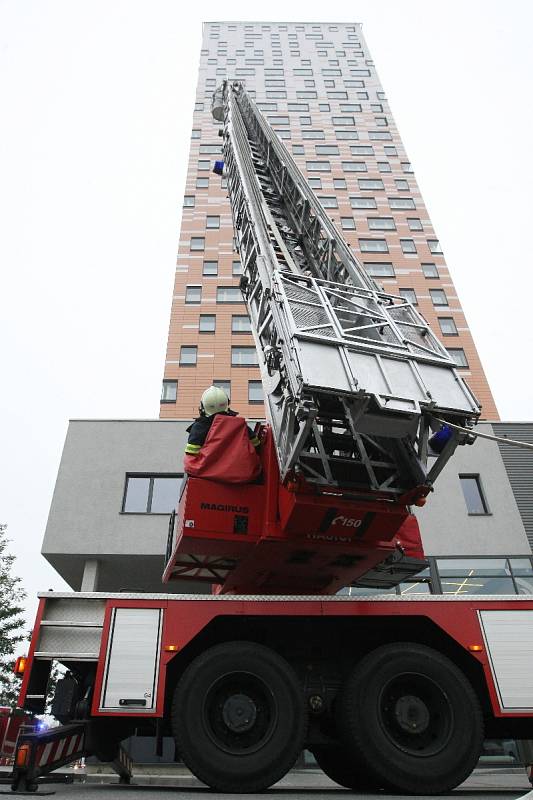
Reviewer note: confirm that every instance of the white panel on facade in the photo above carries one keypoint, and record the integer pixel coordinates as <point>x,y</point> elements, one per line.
<point>509,640</point>
<point>130,681</point>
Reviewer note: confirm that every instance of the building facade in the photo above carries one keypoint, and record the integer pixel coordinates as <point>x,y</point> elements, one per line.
<point>319,89</point>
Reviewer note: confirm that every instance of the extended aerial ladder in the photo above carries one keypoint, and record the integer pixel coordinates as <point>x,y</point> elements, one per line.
<point>358,390</point>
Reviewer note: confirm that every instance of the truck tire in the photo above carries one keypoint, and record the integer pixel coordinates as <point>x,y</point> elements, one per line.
<point>239,717</point>
<point>411,717</point>
<point>342,769</point>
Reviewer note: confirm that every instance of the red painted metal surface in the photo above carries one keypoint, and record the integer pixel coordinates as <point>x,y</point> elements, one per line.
<point>271,538</point>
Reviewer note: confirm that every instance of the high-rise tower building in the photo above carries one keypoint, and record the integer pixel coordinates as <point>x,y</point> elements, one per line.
<point>318,86</point>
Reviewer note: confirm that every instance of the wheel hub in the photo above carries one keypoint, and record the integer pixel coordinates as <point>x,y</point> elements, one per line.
<point>239,713</point>
<point>411,713</point>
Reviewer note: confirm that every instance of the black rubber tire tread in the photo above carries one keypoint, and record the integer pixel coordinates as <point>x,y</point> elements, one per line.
<point>363,737</point>
<point>342,768</point>
<point>210,763</point>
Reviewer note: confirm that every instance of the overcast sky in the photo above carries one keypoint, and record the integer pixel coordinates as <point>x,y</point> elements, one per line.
<point>96,99</point>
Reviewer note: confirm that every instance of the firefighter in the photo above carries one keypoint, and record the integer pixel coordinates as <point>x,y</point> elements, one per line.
<point>214,402</point>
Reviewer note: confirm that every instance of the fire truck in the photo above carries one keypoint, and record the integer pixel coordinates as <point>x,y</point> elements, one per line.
<point>364,408</point>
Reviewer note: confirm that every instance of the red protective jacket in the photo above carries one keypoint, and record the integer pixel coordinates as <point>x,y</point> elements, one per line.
<point>228,455</point>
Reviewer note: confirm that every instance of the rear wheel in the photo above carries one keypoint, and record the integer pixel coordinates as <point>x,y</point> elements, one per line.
<point>341,768</point>
<point>412,719</point>
<point>238,717</point>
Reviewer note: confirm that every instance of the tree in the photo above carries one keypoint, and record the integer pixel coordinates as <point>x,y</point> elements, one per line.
<point>11,622</point>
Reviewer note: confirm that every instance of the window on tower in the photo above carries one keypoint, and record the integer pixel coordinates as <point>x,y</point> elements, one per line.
<point>169,391</point>
<point>188,355</point>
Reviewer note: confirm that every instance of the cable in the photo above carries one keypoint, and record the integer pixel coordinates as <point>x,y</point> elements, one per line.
<point>502,439</point>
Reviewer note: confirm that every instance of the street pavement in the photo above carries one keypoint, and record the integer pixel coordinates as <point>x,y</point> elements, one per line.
<point>309,784</point>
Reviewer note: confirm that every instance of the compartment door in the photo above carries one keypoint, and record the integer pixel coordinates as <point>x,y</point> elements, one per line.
<point>132,663</point>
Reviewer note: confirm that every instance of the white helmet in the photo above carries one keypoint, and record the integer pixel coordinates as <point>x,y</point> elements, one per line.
<point>214,400</point>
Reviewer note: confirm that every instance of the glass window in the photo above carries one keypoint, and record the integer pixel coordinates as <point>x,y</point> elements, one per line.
<point>380,269</point>
<point>348,223</point>
<point>326,149</point>
<point>197,243</point>
<point>193,294</point>
<point>313,135</point>
<point>305,95</point>
<point>434,246</point>
<point>401,185</point>
<point>210,149</point>
<point>236,268</point>
<point>165,494</point>
<point>401,202</point>
<point>377,136</point>
<point>298,106</point>
<point>430,270</point>
<point>408,246</point>
<point>521,566</point>
<point>409,295</point>
<point>370,183</point>
<point>210,268</point>
<point>229,294</point>
<point>207,323</point>
<point>344,135</point>
<point>381,223</point>
<point>339,183</point>
<point>340,96</point>
<point>204,166</point>
<point>202,183</point>
<point>151,494</point>
<point>477,584</point>
<point>354,166</point>
<point>473,494</point>
<point>169,391</point>
<point>225,385</point>
<point>349,107</point>
<point>359,95</point>
<point>373,246</point>
<point>390,150</point>
<point>343,120</point>
<point>329,202</point>
<point>406,166</point>
<point>244,357</point>
<point>315,183</point>
<point>323,107</point>
<point>188,201</point>
<point>298,150</point>
<point>415,224</point>
<point>212,222</point>
<point>318,166</point>
<point>377,108</point>
<point>384,166</point>
<point>278,119</point>
<point>188,355</point>
<point>459,356</point>
<point>438,297</point>
<point>363,202</point>
<point>240,323</point>
<point>463,567</point>
<point>361,150</point>
<point>447,326</point>
<point>136,496</point>
<point>255,392</point>
<point>305,120</point>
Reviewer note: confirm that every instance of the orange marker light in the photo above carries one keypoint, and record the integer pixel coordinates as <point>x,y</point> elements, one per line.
<point>20,665</point>
<point>22,755</point>
<point>475,648</point>
<point>171,648</point>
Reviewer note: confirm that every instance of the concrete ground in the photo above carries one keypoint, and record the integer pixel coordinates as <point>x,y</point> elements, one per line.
<point>308,784</point>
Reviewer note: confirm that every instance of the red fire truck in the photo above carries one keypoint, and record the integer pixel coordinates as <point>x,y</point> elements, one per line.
<point>364,409</point>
